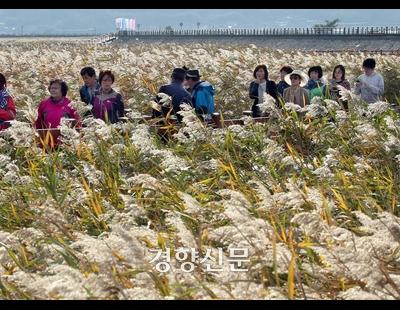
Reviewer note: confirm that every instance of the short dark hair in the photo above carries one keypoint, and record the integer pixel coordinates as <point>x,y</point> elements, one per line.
<point>287,69</point>
<point>64,86</point>
<point>369,63</point>
<point>264,67</point>
<point>3,81</point>
<point>102,74</point>
<point>88,71</point>
<point>177,77</point>
<point>178,74</point>
<point>341,69</point>
<point>318,69</point>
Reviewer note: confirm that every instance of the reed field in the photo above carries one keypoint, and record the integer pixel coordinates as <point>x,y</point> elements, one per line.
<point>313,194</point>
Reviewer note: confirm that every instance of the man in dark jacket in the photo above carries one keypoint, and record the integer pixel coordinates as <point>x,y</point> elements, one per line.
<point>177,93</point>
<point>202,93</point>
<point>92,85</point>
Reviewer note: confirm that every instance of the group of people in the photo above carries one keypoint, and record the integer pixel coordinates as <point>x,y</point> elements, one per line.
<point>106,103</point>
<point>187,87</point>
<point>296,87</point>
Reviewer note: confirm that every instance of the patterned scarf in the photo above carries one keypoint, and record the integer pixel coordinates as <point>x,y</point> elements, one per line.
<point>3,98</point>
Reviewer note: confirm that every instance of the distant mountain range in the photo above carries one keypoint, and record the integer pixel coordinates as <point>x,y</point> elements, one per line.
<point>97,21</point>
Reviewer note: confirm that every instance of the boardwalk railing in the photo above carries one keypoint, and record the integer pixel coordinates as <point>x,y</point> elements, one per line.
<point>352,31</point>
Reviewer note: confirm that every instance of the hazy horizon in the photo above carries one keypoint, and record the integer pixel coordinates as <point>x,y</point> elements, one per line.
<point>97,21</point>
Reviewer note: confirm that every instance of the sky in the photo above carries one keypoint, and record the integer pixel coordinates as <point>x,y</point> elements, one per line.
<point>100,21</point>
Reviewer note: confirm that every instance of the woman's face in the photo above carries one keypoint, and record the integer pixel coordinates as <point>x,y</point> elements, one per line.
<point>295,80</point>
<point>338,74</point>
<point>106,83</point>
<point>55,91</point>
<point>260,74</point>
<point>314,75</point>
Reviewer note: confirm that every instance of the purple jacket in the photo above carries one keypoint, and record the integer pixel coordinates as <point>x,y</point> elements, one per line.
<point>109,107</point>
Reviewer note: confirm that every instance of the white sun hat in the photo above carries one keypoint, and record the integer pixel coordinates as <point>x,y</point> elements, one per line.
<point>304,77</point>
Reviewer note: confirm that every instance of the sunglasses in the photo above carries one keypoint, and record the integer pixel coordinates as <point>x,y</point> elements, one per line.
<point>294,78</point>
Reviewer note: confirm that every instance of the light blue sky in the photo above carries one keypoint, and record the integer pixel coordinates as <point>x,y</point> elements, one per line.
<point>15,21</point>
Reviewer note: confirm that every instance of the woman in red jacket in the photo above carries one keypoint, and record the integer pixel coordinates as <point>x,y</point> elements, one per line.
<point>7,107</point>
<point>50,112</point>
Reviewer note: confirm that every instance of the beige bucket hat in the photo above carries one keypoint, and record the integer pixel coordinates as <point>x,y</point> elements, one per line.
<point>304,77</point>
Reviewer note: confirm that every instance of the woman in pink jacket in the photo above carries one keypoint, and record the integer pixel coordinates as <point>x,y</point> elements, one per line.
<point>50,112</point>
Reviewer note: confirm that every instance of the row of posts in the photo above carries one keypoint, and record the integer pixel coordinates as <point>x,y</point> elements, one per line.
<point>364,31</point>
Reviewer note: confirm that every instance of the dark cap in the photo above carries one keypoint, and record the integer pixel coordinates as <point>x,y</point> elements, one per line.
<point>193,74</point>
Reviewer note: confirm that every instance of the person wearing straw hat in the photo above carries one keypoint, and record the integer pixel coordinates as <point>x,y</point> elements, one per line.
<point>296,93</point>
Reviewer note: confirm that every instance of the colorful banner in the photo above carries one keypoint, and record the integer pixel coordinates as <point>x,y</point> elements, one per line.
<point>125,24</point>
